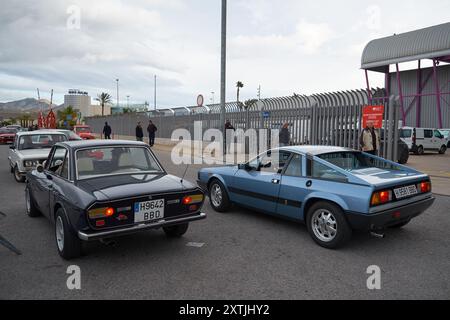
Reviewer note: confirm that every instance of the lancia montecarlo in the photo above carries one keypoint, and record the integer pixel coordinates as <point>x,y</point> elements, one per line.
<point>97,190</point>
<point>333,190</point>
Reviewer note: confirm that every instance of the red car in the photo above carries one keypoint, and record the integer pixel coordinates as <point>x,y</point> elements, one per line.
<point>84,131</point>
<point>7,135</point>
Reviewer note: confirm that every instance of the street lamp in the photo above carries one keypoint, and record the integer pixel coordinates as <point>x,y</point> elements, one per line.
<point>223,68</point>
<point>212,98</point>
<point>128,102</point>
<point>117,80</point>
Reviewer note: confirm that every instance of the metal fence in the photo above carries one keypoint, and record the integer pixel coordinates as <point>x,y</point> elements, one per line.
<point>321,119</point>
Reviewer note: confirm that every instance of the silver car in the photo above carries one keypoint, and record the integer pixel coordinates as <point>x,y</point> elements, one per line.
<point>30,149</point>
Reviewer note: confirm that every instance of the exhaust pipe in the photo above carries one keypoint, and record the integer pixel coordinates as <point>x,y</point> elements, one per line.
<point>377,235</point>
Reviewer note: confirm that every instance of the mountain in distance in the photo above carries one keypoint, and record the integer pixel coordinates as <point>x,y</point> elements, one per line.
<point>27,105</point>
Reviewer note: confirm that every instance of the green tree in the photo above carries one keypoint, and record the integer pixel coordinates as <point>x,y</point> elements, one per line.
<point>68,115</point>
<point>250,103</point>
<point>239,86</point>
<point>104,99</point>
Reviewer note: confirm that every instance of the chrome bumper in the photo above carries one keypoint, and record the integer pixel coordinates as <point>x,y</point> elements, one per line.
<point>142,227</point>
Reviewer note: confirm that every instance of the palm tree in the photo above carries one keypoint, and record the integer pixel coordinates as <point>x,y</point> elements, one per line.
<point>104,99</point>
<point>68,115</point>
<point>239,86</point>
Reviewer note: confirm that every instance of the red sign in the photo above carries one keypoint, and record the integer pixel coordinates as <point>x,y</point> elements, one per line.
<point>374,114</point>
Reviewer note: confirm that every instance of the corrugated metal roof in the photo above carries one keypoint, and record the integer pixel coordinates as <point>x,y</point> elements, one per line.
<point>428,43</point>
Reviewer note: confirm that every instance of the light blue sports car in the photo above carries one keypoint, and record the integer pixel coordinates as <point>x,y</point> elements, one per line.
<point>333,190</point>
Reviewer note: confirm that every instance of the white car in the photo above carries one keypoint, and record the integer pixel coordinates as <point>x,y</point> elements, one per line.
<point>30,149</point>
<point>420,140</point>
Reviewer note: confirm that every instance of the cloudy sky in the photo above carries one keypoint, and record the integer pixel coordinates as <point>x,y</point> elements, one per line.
<point>285,46</point>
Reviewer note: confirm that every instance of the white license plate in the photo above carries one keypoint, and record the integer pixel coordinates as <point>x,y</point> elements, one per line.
<point>149,211</point>
<point>405,192</point>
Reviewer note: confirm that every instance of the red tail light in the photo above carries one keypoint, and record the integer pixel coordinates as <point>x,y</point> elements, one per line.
<point>381,197</point>
<point>425,187</point>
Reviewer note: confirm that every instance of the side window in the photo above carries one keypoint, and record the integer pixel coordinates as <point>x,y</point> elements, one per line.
<point>274,162</point>
<point>321,171</point>
<point>437,134</point>
<point>295,167</point>
<point>428,133</point>
<point>63,170</point>
<point>57,160</point>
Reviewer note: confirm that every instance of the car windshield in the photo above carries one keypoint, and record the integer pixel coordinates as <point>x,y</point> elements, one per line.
<point>109,161</point>
<point>405,133</point>
<point>8,131</point>
<point>445,133</point>
<point>40,141</point>
<point>351,161</point>
<point>83,130</point>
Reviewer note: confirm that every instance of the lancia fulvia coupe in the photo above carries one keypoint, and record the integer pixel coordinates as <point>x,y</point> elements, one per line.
<point>97,190</point>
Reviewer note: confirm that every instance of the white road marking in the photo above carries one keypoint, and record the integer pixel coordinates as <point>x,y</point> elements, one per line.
<point>195,244</point>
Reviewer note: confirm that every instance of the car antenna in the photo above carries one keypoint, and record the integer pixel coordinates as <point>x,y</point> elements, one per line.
<point>184,175</point>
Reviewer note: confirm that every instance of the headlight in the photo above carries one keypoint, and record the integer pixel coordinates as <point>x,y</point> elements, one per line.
<point>30,163</point>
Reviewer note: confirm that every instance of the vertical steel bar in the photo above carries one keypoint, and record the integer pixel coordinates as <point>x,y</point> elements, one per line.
<point>418,97</point>
<point>400,93</point>
<point>438,93</point>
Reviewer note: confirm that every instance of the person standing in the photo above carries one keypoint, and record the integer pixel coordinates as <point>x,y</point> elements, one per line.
<point>139,132</point>
<point>151,129</point>
<point>370,139</point>
<point>107,131</point>
<point>228,126</point>
<point>285,136</point>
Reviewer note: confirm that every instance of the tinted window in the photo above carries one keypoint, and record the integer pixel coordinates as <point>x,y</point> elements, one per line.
<point>321,171</point>
<point>405,133</point>
<point>428,133</point>
<point>295,167</point>
<point>350,161</point>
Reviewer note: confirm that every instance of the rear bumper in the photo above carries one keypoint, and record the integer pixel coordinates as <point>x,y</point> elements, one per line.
<point>91,236</point>
<point>389,217</point>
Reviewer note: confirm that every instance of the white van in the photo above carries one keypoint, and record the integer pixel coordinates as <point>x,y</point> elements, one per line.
<point>420,140</point>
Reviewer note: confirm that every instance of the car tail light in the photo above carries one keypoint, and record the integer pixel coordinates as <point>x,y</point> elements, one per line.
<point>101,213</point>
<point>425,187</point>
<point>381,197</point>
<point>198,198</point>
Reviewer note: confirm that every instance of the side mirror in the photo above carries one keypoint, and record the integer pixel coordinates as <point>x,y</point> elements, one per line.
<point>40,168</point>
<point>12,147</point>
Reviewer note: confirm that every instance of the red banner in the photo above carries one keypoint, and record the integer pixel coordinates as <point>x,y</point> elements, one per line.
<point>374,114</point>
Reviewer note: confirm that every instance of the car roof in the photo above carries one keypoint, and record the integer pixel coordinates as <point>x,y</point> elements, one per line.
<point>81,144</point>
<point>316,150</point>
<point>31,133</point>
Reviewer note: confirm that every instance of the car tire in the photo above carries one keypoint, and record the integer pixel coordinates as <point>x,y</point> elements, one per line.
<point>30,204</point>
<point>404,157</point>
<point>19,178</point>
<point>67,242</point>
<point>443,150</point>
<point>400,225</point>
<point>176,231</point>
<point>420,151</point>
<point>324,217</point>
<point>218,196</point>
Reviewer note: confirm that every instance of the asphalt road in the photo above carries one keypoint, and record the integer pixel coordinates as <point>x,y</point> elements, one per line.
<point>245,255</point>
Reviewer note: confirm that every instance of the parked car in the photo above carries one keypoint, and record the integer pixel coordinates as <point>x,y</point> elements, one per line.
<point>333,190</point>
<point>420,140</point>
<point>7,135</point>
<point>446,134</point>
<point>125,192</point>
<point>84,131</point>
<point>30,149</point>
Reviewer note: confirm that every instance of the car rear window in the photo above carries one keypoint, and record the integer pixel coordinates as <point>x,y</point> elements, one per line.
<point>40,141</point>
<point>351,161</point>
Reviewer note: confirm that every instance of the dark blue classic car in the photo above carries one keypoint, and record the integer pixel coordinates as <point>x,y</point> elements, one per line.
<point>94,190</point>
<point>333,190</point>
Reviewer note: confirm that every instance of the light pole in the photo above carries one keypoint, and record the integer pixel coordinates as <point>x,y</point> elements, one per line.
<point>155,94</point>
<point>212,98</point>
<point>128,102</point>
<point>117,80</point>
<point>223,76</point>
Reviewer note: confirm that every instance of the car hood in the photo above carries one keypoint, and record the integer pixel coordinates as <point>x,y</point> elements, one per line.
<point>34,153</point>
<point>128,186</point>
<point>378,177</point>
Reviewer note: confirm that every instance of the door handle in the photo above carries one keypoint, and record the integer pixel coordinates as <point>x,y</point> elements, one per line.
<point>275,181</point>
<point>309,184</point>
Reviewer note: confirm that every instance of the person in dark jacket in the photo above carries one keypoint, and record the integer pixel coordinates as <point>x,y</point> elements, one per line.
<point>285,136</point>
<point>151,129</point>
<point>139,132</point>
<point>228,126</point>
<point>107,131</point>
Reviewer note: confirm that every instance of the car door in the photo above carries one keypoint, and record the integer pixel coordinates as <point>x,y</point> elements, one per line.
<point>428,139</point>
<point>438,140</point>
<point>59,176</point>
<point>44,181</point>
<point>258,187</point>
<point>293,188</point>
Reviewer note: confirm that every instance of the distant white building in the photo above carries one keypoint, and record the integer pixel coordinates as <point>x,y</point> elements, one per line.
<point>81,101</point>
